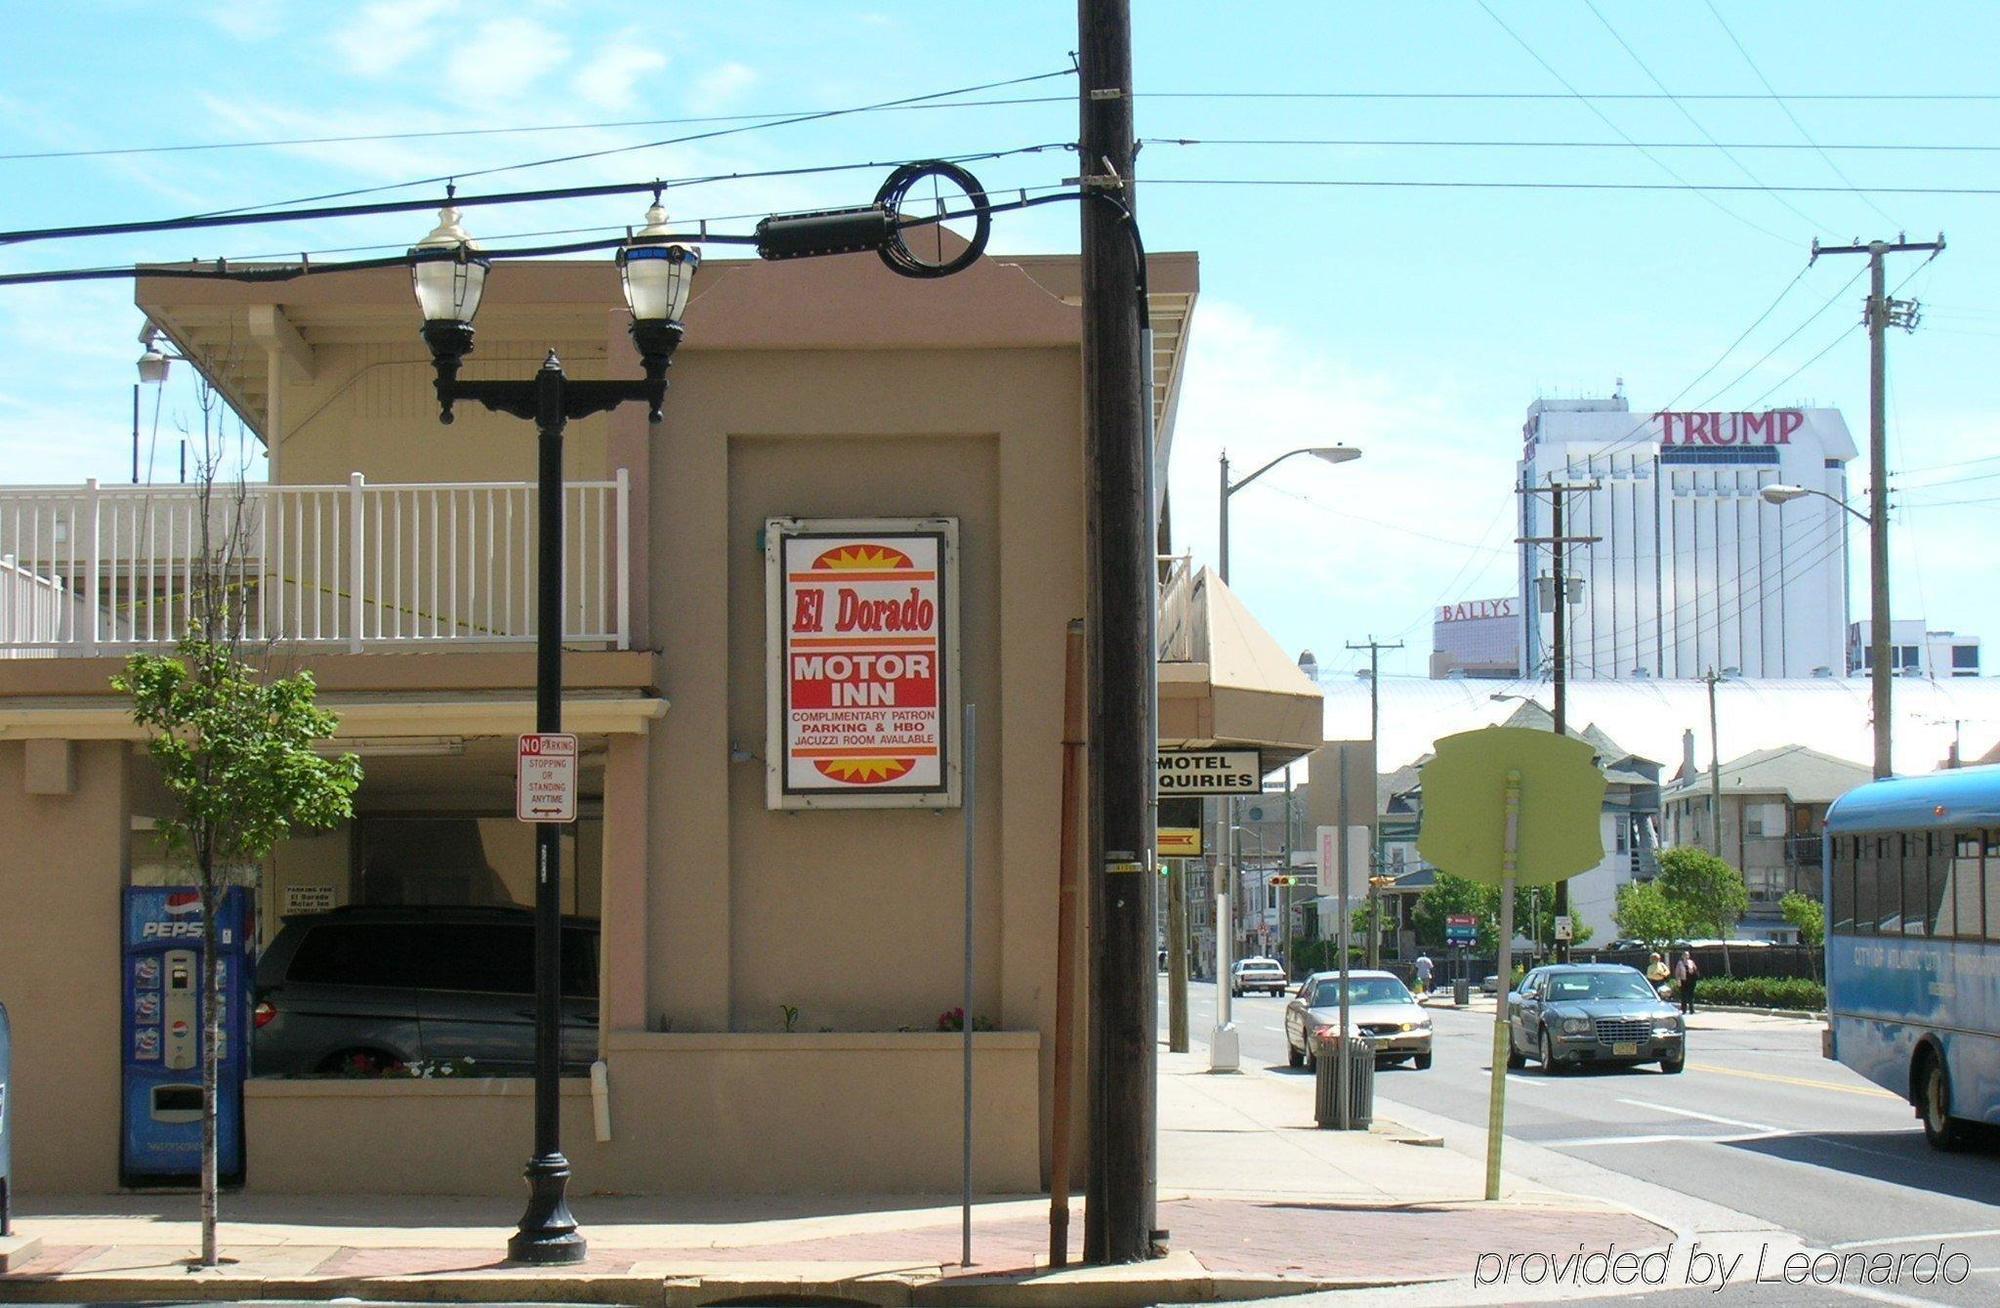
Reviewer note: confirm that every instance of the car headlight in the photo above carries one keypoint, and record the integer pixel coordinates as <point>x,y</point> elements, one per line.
<point>1576,1025</point>
<point>1666,1026</point>
<point>1421,1024</point>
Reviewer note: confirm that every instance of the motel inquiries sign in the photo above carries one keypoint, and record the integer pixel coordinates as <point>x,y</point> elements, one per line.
<point>862,624</point>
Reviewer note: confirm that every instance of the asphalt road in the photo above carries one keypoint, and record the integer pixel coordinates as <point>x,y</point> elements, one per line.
<point>1759,1123</point>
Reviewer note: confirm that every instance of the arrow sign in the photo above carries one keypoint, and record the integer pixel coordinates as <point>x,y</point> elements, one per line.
<point>545,778</point>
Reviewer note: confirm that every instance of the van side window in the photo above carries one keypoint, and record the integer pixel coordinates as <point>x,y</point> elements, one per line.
<point>354,954</point>
<point>495,959</point>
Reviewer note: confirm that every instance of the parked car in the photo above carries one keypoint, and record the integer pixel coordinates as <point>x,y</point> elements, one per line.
<point>1257,974</point>
<point>1592,1014</point>
<point>360,990</point>
<point>1379,1006</point>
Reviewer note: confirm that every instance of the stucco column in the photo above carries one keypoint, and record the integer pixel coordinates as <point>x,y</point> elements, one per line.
<point>622,960</point>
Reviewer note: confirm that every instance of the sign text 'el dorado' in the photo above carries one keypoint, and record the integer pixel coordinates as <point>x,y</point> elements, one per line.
<point>545,778</point>
<point>862,637</point>
<point>1210,772</point>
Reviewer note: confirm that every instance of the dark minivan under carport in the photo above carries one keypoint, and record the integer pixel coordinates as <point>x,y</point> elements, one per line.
<point>386,989</point>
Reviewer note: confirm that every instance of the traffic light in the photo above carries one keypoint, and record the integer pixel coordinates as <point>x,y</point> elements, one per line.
<point>1284,881</point>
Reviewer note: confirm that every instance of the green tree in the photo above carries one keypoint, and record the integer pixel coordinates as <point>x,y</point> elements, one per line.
<point>1708,893</point>
<point>1645,913</point>
<point>234,748</point>
<point>1805,913</point>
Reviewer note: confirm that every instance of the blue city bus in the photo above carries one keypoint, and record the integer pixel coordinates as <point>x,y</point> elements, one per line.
<point>1912,896</point>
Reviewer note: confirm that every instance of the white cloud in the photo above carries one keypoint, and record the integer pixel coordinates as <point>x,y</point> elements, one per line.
<point>719,87</point>
<point>1324,554</point>
<point>611,79</point>
<point>381,37</point>
<point>502,59</point>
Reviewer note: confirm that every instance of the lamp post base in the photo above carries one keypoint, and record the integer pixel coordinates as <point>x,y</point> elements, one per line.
<point>1225,1051</point>
<point>547,1234</point>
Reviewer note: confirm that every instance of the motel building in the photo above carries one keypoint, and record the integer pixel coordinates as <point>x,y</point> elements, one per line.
<point>778,923</point>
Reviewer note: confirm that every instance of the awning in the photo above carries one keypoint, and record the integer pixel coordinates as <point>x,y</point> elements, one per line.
<point>1224,682</point>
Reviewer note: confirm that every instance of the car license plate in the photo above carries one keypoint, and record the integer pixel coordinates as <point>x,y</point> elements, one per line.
<point>1625,1049</point>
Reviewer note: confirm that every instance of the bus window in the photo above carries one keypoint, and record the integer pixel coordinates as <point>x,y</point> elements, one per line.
<point>1990,898</point>
<point>1916,871</point>
<point>1842,877</point>
<point>1965,890</point>
<point>1937,883</point>
<point>1945,853</point>
<point>1865,860</point>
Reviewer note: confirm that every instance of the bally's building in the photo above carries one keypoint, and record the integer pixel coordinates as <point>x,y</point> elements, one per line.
<point>1686,568</point>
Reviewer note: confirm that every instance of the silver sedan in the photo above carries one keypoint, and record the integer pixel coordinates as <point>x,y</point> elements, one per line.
<point>1379,1006</point>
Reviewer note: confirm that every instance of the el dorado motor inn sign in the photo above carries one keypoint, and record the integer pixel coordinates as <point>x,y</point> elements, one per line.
<point>862,628</point>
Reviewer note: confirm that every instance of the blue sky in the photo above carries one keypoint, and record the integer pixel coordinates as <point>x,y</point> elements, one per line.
<point>1415,321</point>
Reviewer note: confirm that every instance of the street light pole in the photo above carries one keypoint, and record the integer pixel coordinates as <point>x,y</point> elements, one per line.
<point>1877,521</point>
<point>1224,1053</point>
<point>449,276</point>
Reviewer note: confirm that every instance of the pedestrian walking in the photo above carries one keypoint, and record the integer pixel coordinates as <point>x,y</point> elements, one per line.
<point>1686,973</point>
<point>1424,969</point>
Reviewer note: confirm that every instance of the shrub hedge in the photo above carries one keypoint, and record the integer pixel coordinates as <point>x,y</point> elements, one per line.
<point>1762,992</point>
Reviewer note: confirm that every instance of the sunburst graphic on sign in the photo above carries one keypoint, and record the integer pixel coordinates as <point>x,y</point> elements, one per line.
<point>863,558</point>
<point>865,771</point>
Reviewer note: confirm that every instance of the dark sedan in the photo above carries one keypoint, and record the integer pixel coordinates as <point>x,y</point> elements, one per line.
<point>1590,1015</point>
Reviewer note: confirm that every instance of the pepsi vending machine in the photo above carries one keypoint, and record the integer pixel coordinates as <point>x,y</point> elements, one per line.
<point>161,1141</point>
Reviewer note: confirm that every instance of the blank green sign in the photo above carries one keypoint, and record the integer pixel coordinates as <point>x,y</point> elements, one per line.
<point>1465,793</point>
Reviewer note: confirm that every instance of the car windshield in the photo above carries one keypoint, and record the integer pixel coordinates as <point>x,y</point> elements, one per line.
<point>1598,985</point>
<point>1361,990</point>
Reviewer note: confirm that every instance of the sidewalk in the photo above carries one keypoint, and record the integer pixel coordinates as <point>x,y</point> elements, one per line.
<point>1256,1202</point>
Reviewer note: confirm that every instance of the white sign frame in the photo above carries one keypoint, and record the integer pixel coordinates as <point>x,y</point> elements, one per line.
<point>780,789</point>
<point>545,764</point>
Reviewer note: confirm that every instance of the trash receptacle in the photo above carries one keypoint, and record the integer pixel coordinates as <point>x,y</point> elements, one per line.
<point>1360,1051</point>
<point>1461,992</point>
<point>6,1123</point>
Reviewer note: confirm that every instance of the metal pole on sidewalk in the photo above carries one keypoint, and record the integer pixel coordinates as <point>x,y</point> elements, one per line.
<point>1343,1110</point>
<point>971,754</point>
<point>1496,1102</point>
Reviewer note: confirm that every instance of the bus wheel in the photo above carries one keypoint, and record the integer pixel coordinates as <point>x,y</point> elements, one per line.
<point>1941,1129</point>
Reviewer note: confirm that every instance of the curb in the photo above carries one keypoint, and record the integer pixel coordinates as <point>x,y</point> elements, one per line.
<point>1131,1286</point>
<point>1803,1014</point>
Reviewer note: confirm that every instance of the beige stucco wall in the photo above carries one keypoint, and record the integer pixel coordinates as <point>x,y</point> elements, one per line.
<point>688,1112</point>
<point>853,916</point>
<point>59,968</point>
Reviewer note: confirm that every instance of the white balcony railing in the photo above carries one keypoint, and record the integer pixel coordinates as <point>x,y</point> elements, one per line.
<point>103,569</point>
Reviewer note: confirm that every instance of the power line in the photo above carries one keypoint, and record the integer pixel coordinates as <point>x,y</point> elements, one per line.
<point>1658,162</point>
<point>1398,142</point>
<point>1685,113</point>
<point>524,130</point>
<point>1573,94</point>
<point>1740,49</point>
<point>1696,188</point>
<point>580,156</point>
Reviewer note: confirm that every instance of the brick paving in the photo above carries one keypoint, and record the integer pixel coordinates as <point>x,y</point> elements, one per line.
<point>1286,1237</point>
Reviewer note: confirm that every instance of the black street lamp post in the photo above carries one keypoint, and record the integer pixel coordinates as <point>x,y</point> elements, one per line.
<point>449,275</point>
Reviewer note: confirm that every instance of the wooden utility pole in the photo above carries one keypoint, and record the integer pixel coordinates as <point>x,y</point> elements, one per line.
<point>1882,313</point>
<point>1558,544</point>
<point>1118,1208</point>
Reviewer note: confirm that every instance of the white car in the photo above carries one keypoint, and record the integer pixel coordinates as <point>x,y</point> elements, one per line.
<point>1379,1006</point>
<point>1265,974</point>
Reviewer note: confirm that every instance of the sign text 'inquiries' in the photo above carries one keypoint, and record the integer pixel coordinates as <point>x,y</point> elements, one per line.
<point>1210,772</point>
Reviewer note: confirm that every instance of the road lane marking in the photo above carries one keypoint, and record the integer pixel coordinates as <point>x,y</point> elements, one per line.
<point>1937,1237</point>
<point>1705,1117</point>
<point>1886,1296</point>
<point>1592,1141</point>
<point>1870,1090</point>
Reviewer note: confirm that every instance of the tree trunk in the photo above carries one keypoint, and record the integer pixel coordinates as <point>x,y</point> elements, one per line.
<point>211,1040</point>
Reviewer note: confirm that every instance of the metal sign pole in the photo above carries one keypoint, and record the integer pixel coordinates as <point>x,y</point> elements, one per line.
<point>965,1013</point>
<point>1496,1106</point>
<point>1342,1113</point>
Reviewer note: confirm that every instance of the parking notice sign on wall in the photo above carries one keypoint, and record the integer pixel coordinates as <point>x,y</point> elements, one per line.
<point>862,676</point>
<point>545,778</point>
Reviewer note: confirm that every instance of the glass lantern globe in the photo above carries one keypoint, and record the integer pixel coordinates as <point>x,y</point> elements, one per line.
<point>448,272</point>
<point>657,276</point>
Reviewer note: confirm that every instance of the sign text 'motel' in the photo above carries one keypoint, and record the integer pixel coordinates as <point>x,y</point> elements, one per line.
<point>1210,772</point>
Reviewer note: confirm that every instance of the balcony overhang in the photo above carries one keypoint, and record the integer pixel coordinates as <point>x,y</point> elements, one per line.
<point>372,717</point>
<point>1225,683</point>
